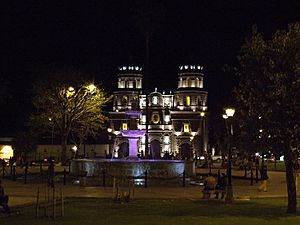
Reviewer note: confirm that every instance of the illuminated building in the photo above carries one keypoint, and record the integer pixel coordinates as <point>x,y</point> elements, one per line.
<point>177,121</point>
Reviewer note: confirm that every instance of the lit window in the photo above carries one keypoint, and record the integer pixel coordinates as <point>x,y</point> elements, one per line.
<point>166,139</point>
<point>188,100</point>
<point>130,84</point>
<point>155,100</point>
<point>167,101</point>
<point>124,126</point>
<point>186,127</point>
<point>143,118</point>
<point>167,118</point>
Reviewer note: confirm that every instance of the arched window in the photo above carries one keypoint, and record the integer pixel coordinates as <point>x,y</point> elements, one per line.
<point>186,127</point>
<point>188,100</point>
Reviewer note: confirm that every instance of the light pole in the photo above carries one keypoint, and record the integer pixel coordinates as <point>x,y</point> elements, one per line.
<point>50,119</point>
<point>74,148</point>
<point>111,141</point>
<point>229,112</point>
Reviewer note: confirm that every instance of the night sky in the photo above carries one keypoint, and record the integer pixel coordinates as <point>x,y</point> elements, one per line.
<point>98,36</point>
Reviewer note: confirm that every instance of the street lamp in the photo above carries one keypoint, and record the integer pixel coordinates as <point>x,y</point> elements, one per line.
<point>91,88</point>
<point>52,132</point>
<point>229,112</point>
<point>74,148</point>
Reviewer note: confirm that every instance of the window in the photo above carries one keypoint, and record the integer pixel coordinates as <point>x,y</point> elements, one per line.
<point>167,102</point>
<point>167,118</point>
<point>124,126</point>
<point>166,139</point>
<point>124,100</point>
<point>188,100</point>
<point>155,100</point>
<point>186,128</point>
<point>143,119</point>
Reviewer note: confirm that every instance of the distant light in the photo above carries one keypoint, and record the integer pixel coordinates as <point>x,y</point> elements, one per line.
<point>109,130</point>
<point>91,87</point>
<point>225,116</point>
<point>74,148</point>
<point>260,130</point>
<point>50,119</point>
<point>6,152</point>
<point>229,112</point>
<point>202,114</point>
<point>70,91</point>
<point>186,67</point>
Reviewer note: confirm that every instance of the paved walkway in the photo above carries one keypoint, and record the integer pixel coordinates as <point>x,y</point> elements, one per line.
<point>20,193</point>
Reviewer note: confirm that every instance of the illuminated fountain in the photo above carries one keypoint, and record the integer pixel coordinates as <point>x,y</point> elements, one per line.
<point>131,167</point>
<point>133,134</point>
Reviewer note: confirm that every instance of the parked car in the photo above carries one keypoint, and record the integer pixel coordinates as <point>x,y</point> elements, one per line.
<point>217,158</point>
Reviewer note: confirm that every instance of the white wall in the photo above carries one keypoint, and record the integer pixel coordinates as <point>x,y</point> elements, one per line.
<point>45,151</point>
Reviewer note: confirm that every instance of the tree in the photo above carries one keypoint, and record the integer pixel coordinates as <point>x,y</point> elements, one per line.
<point>25,143</point>
<point>268,92</point>
<point>66,102</point>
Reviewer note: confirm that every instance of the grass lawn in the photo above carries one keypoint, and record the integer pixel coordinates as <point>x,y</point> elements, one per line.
<point>156,211</point>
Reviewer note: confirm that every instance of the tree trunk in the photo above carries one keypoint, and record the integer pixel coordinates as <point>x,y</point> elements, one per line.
<point>290,181</point>
<point>64,157</point>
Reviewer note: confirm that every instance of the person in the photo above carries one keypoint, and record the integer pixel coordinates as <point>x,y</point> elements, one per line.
<point>264,178</point>
<point>4,199</point>
<point>221,186</point>
<point>209,185</point>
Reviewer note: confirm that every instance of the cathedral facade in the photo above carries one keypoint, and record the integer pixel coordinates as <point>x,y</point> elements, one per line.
<point>175,122</point>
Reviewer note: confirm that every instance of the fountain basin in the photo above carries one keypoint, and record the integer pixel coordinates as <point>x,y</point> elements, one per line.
<point>128,168</point>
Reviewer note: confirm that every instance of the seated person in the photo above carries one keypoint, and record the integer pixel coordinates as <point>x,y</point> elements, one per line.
<point>4,199</point>
<point>221,186</point>
<point>209,184</point>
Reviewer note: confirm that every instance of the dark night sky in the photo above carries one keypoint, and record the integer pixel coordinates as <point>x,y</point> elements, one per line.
<point>99,36</point>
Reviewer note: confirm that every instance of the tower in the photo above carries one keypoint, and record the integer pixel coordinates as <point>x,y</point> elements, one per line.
<point>190,112</point>
<point>126,98</point>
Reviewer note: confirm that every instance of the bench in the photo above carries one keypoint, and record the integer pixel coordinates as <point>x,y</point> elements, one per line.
<point>207,194</point>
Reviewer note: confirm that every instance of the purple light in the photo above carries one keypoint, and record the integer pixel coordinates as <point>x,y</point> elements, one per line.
<point>133,114</point>
<point>133,137</point>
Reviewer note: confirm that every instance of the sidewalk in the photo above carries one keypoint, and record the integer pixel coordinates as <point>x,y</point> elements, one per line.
<point>20,193</point>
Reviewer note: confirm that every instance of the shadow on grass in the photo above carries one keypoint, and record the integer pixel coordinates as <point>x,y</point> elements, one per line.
<point>257,208</point>
<point>154,211</point>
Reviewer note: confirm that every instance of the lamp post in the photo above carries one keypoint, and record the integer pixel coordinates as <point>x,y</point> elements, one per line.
<point>74,148</point>
<point>229,112</point>
<point>50,119</point>
<point>110,139</point>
